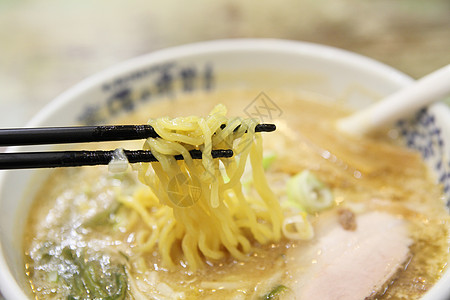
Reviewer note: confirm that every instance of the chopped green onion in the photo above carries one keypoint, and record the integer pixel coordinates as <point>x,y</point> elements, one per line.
<point>308,193</point>
<point>297,227</point>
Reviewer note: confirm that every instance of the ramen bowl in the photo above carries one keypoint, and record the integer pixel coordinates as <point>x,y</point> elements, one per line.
<point>261,65</point>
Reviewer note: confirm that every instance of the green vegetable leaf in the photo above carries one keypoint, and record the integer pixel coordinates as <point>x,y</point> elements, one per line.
<point>103,218</point>
<point>91,280</point>
<point>84,277</point>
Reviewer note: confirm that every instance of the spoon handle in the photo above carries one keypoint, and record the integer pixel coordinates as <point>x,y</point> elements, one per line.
<point>399,105</point>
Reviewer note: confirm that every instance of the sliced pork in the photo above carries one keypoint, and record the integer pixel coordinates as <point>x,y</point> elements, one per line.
<point>343,264</point>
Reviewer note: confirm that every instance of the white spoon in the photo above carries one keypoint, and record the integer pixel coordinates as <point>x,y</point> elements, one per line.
<point>399,105</point>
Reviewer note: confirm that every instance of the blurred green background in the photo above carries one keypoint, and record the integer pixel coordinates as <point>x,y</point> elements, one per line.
<point>48,46</point>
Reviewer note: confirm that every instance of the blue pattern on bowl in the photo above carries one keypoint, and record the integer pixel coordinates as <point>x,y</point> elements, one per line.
<point>424,134</point>
<point>127,92</point>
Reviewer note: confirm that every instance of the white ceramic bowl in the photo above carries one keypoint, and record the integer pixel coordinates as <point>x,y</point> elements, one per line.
<point>260,64</point>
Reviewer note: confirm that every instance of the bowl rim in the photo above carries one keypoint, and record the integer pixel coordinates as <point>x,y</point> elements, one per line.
<point>8,285</point>
<point>325,52</point>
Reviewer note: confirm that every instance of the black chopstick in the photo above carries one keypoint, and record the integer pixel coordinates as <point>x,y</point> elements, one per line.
<point>85,134</point>
<point>77,134</point>
<point>32,160</point>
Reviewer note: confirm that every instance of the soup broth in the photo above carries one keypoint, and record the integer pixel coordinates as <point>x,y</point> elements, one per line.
<point>78,235</point>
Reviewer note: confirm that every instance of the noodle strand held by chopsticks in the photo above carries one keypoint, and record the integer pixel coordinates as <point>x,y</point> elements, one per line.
<point>189,203</point>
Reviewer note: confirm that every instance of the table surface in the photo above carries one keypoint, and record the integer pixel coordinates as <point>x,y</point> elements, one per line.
<point>48,46</point>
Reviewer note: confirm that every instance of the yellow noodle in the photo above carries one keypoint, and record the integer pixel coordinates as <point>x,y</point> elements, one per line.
<point>191,205</point>
<point>165,241</point>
